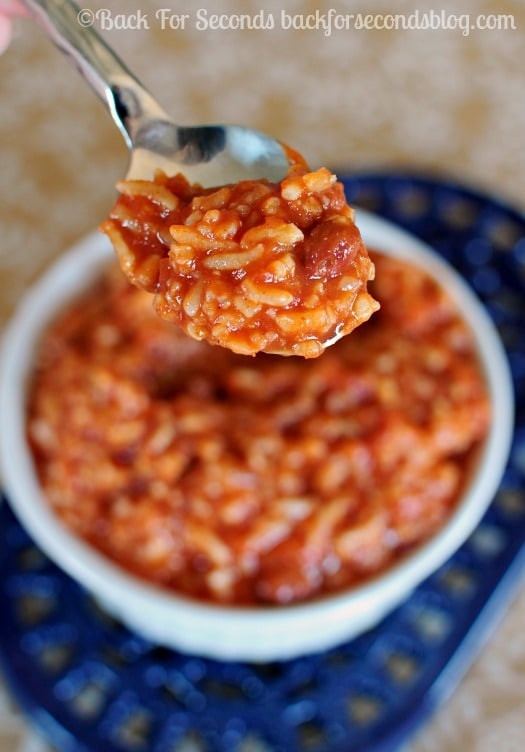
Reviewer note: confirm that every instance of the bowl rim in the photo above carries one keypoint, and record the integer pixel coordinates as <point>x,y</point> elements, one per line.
<point>61,283</point>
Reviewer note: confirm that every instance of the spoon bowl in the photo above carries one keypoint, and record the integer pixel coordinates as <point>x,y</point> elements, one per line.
<point>205,154</point>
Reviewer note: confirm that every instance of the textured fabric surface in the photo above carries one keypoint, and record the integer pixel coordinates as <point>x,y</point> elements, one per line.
<point>427,100</point>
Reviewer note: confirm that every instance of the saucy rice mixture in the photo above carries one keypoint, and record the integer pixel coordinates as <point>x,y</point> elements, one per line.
<point>266,479</point>
<point>254,267</point>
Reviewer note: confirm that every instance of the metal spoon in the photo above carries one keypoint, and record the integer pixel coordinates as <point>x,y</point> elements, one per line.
<point>211,155</point>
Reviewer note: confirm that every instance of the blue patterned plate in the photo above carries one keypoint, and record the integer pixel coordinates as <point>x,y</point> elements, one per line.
<point>90,685</point>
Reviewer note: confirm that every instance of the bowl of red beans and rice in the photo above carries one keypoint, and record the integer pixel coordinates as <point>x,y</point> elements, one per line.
<point>252,508</point>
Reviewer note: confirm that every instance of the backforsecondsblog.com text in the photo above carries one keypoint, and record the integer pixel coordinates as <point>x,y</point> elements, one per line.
<point>326,22</point>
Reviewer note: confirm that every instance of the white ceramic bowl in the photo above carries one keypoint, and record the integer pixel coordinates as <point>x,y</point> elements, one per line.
<point>255,634</point>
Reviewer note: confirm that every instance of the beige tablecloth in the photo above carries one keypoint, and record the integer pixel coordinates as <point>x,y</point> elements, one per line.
<point>430,99</point>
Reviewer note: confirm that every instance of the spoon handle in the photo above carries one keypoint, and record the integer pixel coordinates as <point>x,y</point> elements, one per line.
<point>129,103</point>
